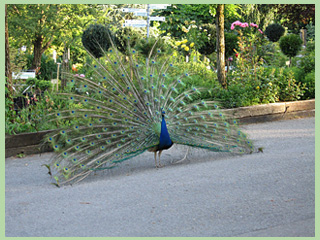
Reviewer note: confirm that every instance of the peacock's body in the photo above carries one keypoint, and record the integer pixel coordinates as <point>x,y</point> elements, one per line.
<point>126,108</point>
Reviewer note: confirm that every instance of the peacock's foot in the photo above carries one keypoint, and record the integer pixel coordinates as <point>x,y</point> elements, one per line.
<point>159,166</point>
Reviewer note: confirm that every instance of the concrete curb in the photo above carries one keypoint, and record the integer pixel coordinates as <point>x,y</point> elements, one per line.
<point>30,143</point>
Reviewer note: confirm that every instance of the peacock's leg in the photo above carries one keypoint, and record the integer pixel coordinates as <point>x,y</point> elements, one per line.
<point>159,159</point>
<point>155,159</point>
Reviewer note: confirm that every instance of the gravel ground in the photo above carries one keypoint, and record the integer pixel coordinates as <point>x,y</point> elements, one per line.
<point>208,195</point>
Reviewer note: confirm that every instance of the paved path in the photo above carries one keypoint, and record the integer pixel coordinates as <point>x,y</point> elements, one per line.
<point>209,194</point>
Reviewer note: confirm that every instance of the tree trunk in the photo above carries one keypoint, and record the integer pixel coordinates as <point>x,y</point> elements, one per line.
<point>37,52</point>
<point>8,73</point>
<point>220,46</point>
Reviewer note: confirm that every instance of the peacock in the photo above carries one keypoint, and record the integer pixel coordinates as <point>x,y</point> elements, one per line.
<point>131,104</point>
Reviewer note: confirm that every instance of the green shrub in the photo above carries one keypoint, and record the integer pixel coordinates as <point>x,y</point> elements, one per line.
<point>125,36</point>
<point>309,82</point>
<point>290,45</point>
<point>41,85</point>
<point>274,32</point>
<point>208,45</point>
<point>96,39</point>
<point>47,68</point>
<point>289,88</point>
<point>311,30</point>
<point>307,62</point>
<point>298,72</point>
<point>248,87</point>
<point>145,46</point>
<point>231,43</point>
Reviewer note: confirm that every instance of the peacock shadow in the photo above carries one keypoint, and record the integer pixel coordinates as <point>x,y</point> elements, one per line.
<point>176,157</point>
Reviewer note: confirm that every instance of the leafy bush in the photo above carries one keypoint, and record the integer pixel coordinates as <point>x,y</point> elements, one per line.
<point>307,62</point>
<point>249,87</point>
<point>231,43</point>
<point>144,46</point>
<point>289,88</point>
<point>48,66</point>
<point>199,76</point>
<point>96,39</point>
<point>41,85</point>
<point>34,117</point>
<point>309,82</point>
<point>304,70</point>
<point>274,32</point>
<point>311,32</point>
<point>290,45</point>
<point>125,36</point>
<point>208,45</point>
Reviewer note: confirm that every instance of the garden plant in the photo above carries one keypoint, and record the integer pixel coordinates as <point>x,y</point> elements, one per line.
<point>265,59</point>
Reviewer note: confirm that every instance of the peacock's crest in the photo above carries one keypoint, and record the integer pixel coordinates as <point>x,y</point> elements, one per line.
<point>131,104</point>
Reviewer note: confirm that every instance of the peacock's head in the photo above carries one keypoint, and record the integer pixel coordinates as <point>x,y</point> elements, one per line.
<point>162,112</point>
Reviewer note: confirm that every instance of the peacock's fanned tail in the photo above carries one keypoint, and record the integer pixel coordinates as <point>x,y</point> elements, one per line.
<point>117,115</point>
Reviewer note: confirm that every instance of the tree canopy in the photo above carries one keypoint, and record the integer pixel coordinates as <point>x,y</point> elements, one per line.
<point>37,26</point>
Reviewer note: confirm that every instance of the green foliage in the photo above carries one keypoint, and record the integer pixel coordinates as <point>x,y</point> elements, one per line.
<point>144,46</point>
<point>201,38</point>
<point>125,37</point>
<point>307,62</point>
<point>250,45</point>
<point>309,81</point>
<point>290,45</point>
<point>311,32</point>
<point>261,14</point>
<point>41,85</point>
<point>48,66</point>
<point>39,26</point>
<point>231,44</point>
<point>34,117</point>
<point>274,56</point>
<point>289,88</point>
<point>304,70</point>
<point>294,16</point>
<point>96,39</point>
<point>265,85</point>
<point>251,83</point>
<point>205,42</point>
<point>18,60</point>
<point>199,76</point>
<point>274,32</point>
<point>179,15</point>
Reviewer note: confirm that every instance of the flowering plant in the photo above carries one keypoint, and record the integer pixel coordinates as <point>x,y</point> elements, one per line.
<point>244,25</point>
<point>250,40</point>
<point>195,37</point>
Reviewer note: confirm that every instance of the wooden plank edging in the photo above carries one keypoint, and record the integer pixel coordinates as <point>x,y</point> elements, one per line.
<point>29,143</point>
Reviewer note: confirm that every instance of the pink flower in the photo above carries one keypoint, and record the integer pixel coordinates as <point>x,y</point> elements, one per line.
<point>76,75</point>
<point>260,31</point>
<point>253,25</point>
<point>82,75</point>
<point>232,27</point>
<point>237,23</point>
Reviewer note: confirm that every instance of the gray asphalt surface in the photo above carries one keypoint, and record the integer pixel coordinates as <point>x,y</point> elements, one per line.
<point>209,195</point>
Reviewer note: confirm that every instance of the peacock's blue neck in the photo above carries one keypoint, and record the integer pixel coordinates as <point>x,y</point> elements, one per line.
<point>165,141</point>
